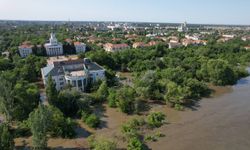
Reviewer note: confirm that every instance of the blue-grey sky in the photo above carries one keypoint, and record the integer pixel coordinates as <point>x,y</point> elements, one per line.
<point>176,11</point>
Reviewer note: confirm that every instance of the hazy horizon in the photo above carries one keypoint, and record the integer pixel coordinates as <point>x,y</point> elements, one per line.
<point>223,12</point>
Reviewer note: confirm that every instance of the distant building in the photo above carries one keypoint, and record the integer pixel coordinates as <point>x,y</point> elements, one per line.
<point>78,73</point>
<point>192,37</point>
<point>226,37</point>
<point>131,36</point>
<point>183,27</point>
<point>153,43</point>
<point>139,45</point>
<point>115,47</point>
<point>114,27</point>
<point>246,38</point>
<point>174,38</point>
<point>94,39</point>
<point>247,47</point>
<point>151,35</point>
<point>53,48</point>
<point>174,44</point>
<point>80,47</point>
<point>25,49</point>
<point>100,28</point>
<point>187,42</point>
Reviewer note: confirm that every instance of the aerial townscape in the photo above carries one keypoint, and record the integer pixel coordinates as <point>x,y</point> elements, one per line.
<point>117,85</point>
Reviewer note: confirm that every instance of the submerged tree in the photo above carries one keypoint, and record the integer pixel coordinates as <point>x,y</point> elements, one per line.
<point>39,125</point>
<point>126,99</point>
<point>102,92</point>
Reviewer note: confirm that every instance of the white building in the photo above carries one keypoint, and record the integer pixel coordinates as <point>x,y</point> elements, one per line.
<point>80,47</point>
<point>53,48</point>
<point>78,73</point>
<point>25,49</point>
<point>183,27</point>
<point>194,37</point>
<point>245,38</point>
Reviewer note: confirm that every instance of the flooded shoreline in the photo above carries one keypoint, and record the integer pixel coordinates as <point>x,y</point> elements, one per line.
<point>218,123</point>
<point>221,122</point>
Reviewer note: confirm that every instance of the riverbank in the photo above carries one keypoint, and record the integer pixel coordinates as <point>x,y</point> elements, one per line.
<point>220,122</point>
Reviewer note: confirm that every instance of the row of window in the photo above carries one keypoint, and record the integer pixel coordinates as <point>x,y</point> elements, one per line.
<point>78,83</point>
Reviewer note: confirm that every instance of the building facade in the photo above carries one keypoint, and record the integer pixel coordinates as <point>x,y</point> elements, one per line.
<point>80,47</point>
<point>25,49</point>
<point>115,47</point>
<point>78,73</point>
<point>139,45</point>
<point>183,27</point>
<point>53,48</point>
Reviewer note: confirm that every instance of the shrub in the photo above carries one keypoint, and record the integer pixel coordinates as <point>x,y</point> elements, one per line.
<point>151,138</point>
<point>130,129</point>
<point>155,119</point>
<point>101,144</point>
<point>154,137</point>
<point>102,92</point>
<point>93,121</point>
<point>22,129</point>
<point>178,107</point>
<point>126,99</point>
<point>135,144</point>
<point>6,138</point>
<point>61,126</point>
<point>112,98</point>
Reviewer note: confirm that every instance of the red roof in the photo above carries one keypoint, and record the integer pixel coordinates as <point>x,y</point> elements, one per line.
<point>68,40</point>
<point>78,43</point>
<point>26,44</point>
<point>116,45</point>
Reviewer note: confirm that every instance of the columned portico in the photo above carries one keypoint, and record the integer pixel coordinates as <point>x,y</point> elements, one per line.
<point>53,48</point>
<point>79,82</point>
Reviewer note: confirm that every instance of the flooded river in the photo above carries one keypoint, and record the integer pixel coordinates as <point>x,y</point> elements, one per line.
<point>219,123</point>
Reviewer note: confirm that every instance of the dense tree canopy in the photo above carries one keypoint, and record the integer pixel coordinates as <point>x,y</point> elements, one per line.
<point>6,138</point>
<point>39,124</point>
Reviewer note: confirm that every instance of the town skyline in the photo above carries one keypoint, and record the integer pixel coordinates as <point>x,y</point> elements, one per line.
<point>194,12</point>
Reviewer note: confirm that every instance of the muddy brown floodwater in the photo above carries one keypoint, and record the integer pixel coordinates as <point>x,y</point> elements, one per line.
<point>218,123</point>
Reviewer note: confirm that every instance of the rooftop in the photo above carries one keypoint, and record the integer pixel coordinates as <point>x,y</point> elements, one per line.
<point>26,44</point>
<point>73,67</point>
<point>78,43</point>
<point>116,45</point>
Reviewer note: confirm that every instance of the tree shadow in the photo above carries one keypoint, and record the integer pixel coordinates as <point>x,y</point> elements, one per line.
<point>82,133</point>
<point>194,105</point>
<point>62,148</point>
<point>99,111</point>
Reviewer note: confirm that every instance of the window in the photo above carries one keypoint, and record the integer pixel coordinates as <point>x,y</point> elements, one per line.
<point>74,83</point>
<point>79,83</point>
<point>85,82</point>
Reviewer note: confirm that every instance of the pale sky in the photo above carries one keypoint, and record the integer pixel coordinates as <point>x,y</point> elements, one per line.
<point>171,11</point>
